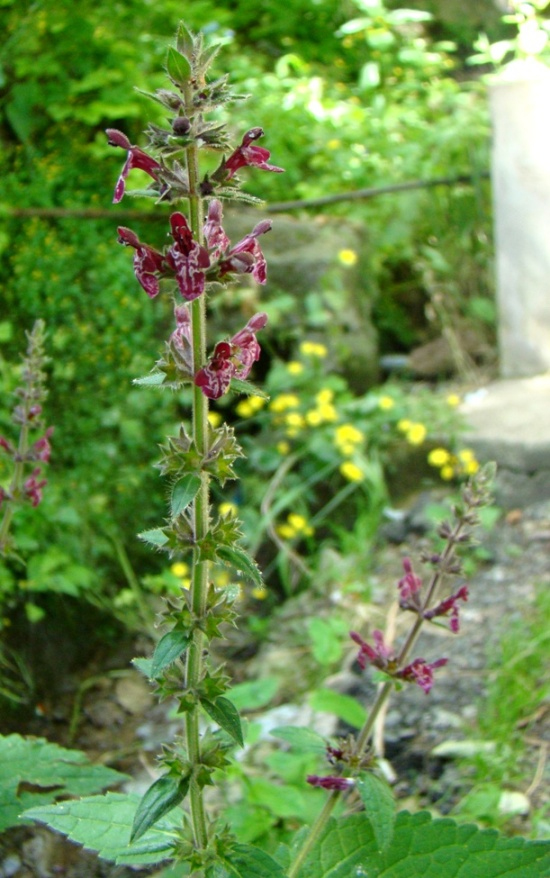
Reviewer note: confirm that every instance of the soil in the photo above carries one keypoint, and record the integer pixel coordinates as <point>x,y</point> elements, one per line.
<point>106,709</point>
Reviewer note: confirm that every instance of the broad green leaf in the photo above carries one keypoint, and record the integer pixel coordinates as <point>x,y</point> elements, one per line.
<point>379,802</point>
<point>226,715</point>
<point>183,493</point>
<point>247,388</point>
<point>247,862</point>
<point>240,561</point>
<point>301,739</point>
<point>184,40</point>
<point>177,67</point>
<point>103,824</point>
<point>283,800</point>
<point>163,795</point>
<point>144,666</point>
<point>344,706</point>
<point>155,537</point>
<point>168,649</point>
<point>254,693</point>
<point>47,772</point>
<point>424,848</point>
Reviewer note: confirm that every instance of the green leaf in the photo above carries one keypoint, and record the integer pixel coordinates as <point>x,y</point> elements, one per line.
<point>183,493</point>
<point>155,379</point>
<point>144,666</point>
<point>155,537</point>
<point>184,41</point>
<point>241,562</point>
<point>226,715</point>
<point>301,739</point>
<point>47,772</point>
<point>168,649</point>
<point>344,706</point>
<point>247,861</point>
<point>163,795</point>
<point>103,824</point>
<point>424,848</point>
<point>177,67</point>
<point>254,693</point>
<point>379,802</point>
<point>247,388</point>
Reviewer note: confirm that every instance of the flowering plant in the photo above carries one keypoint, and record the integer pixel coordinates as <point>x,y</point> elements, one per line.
<point>198,261</point>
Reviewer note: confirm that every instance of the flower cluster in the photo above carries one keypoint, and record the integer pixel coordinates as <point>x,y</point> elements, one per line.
<point>295,526</point>
<point>463,463</point>
<point>410,587</point>
<point>385,659</point>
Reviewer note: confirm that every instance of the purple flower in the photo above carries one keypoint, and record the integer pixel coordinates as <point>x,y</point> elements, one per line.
<point>41,450</point>
<point>231,359</point>
<point>136,158</point>
<point>330,783</point>
<point>214,378</point>
<point>187,258</point>
<point>380,655</point>
<point>214,235</point>
<point>449,606</point>
<point>180,340</point>
<point>246,257</point>
<point>149,264</point>
<point>409,585</point>
<point>250,155</point>
<point>421,672</point>
<point>32,487</point>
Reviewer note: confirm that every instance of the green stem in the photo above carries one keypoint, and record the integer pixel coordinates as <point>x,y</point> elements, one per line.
<point>201,515</point>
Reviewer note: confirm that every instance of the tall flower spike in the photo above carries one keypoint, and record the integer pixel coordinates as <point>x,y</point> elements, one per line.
<point>187,258</point>
<point>250,155</point>
<point>136,158</point>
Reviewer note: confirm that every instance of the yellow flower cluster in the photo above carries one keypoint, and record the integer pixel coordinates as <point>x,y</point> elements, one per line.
<point>313,349</point>
<point>284,401</point>
<point>414,431</point>
<point>348,258</point>
<point>181,570</point>
<point>324,412</point>
<point>249,406</point>
<point>386,403</point>
<point>347,438</point>
<point>229,509</point>
<point>295,526</point>
<point>294,367</point>
<point>463,463</point>
<point>351,471</point>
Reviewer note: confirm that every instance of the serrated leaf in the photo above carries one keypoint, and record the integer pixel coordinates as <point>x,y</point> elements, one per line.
<point>247,388</point>
<point>155,537</point>
<point>240,561</point>
<point>177,67</point>
<point>226,715</point>
<point>162,796</point>
<point>379,802</point>
<point>103,824</point>
<point>422,847</point>
<point>168,649</point>
<point>247,861</point>
<point>48,772</point>
<point>183,493</point>
<point>301,739</point>
<point>155,379</point>
<point>144,666</point>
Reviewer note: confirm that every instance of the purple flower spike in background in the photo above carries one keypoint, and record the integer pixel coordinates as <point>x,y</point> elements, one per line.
<point>421,672</point>
<point>250,155</point>
<point>246,349</point>
<point>136,158</point>
<point>329,782</point>
<point>449,606</point>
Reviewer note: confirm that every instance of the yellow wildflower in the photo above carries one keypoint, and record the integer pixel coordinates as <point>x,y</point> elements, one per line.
<point>328,413</point>
<point>416,434</point>
<point>386,403</point>
<point>439,457</point>
<point>284,401</point>
<point>228,509</point>
<point>404,425</point>
<point>295,420</point>
<point>214,419</point>
<point>351,471</point>
<point>300,524</point>
<point>471,467</point>
<point>313,349</point>
<point>179,569</point>
<point>259,592</point>
<point>283,447</point>
<point>325,396</point>
<point>347,257</point>
<point>294,367</point>
<point>447,472</point>
<point>466,455</point>
<point>347,435</point>
<point>248,407</point>
<point>314,418</point>
<point>453,400</point>
<point>286,531</point>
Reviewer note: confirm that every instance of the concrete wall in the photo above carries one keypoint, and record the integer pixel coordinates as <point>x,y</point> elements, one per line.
<point>520,105</point>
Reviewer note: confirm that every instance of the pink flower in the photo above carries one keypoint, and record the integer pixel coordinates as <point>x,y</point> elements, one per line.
<point>409,585</point>
<point>231,359</point>
<point>380,655</point>
<point>421,672</point>
<point>214,235</point>
<point>187,258</point>
<point>449,606</point>
<point>149,264</point>
<point>32,488</point>
<point>180,340</point>
<point>330,783</point>
<point>41,450</point>
<point>136,158</point>
<point>249,155</point>
<point>246,257</point>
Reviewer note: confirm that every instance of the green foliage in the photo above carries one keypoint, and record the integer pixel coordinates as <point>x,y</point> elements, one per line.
<point>34,771</point>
